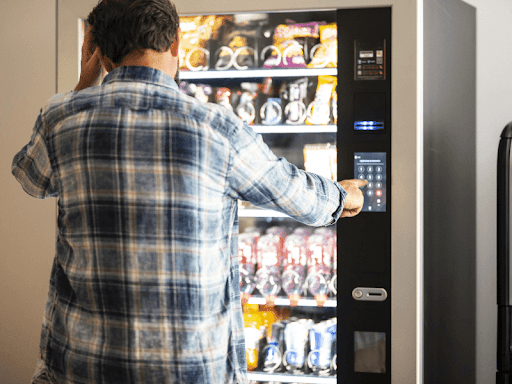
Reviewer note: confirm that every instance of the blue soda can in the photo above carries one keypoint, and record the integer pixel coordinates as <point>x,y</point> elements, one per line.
<point>296,337</point>
<point>320,340</point>
<point>273,352</point>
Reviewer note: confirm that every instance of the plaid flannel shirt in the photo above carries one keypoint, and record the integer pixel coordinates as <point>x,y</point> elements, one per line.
<point>145,283</point>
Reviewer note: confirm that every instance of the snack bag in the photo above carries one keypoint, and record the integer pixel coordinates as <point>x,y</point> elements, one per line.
<point>246,108</point>
<point>223,96</point>
<point>319,111</point>
<point>322,160</point>
<point>237,40</point>
<point>293,96</point>
<point>287,52</point>
<point>325,54</point>
<point>196,31</point>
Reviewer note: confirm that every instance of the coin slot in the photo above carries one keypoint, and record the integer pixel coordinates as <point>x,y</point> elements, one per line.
<point>369,294</point>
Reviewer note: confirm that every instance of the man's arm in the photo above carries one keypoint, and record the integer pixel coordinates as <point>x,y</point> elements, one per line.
<point>31,166</point>
<point>264,180</point>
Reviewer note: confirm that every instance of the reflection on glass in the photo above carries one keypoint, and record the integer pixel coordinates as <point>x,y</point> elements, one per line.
<point>370,352</point>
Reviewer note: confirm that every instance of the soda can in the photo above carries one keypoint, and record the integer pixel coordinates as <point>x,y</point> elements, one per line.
<point>296,338</point>
<point>320,340</point>
<point>273,351</point>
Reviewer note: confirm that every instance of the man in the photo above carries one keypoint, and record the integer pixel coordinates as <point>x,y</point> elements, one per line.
<point>145,282</point>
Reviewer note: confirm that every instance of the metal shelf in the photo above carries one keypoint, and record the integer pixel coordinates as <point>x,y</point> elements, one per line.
<point>295,128</point>
<point>281,301</point>
<point>286,378</point>
<point>257,73</point>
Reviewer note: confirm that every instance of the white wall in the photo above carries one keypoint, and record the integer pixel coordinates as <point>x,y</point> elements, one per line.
<point>494,111</point>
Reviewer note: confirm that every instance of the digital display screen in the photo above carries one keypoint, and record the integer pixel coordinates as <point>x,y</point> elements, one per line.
<point>371,166</point>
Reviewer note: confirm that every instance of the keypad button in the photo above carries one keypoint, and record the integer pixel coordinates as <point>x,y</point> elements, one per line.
<point>378,177</point>
<point>369,185</point>
<point>378,185</point>
<point>369,169</point>
<point>360,177</point>
<point>378,169</point>
<point>369,177</point>
<point>360,169</point>
<point>369,192</point>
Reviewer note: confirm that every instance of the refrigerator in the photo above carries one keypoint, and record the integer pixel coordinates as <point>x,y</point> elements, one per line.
<point>346,89</point>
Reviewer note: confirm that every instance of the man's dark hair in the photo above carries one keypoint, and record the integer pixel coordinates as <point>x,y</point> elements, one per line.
<point>120,26</point>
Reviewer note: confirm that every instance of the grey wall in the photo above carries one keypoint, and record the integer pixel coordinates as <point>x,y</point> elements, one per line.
<point>27,226</point>
<point>494,111</point>
<point>450,197</point>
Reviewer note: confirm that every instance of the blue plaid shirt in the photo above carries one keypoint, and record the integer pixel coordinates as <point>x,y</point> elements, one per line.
<point>145,284</point>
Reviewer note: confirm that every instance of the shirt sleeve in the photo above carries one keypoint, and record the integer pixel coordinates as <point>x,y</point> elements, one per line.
<point>259,177</point>
<point>31,166</point>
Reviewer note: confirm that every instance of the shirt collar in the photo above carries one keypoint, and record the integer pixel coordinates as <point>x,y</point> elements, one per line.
<point>140,74</point>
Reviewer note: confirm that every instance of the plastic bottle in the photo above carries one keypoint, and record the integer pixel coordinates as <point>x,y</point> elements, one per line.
<point>247,253</point>
<point>294,268</point>
<point>268,276</point>
<point>319,267</point>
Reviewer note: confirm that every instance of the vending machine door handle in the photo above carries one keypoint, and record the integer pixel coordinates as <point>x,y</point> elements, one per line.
<point>369,294</point>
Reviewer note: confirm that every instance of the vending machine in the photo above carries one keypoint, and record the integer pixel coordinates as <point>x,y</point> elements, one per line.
<point>337,90</point>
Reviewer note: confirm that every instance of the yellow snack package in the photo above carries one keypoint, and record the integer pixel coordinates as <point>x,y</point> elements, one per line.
<point>195,33</point>
<point>325,54</point>
<point>319,111</point>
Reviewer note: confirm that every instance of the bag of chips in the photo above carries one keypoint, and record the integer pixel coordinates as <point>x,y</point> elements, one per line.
<point>287,52</point>
<point>196,31</point>
<point>325,54</point>
<point>319,111</point>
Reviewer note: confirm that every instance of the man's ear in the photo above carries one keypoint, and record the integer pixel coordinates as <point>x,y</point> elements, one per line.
<point>175,46</point>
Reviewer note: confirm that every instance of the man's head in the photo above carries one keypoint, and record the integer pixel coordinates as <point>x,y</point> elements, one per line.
<point>120,26</point>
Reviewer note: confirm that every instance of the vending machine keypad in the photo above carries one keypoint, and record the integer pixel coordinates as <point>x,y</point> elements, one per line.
<point>371,166</point>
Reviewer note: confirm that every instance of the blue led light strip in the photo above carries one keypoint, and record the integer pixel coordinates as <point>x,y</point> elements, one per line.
<point>368,125</point>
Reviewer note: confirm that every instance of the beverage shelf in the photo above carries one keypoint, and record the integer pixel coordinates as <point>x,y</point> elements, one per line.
<point>281,301</point>
<point>257,73</point>
<point>295,128</point>
<point>286,378</point>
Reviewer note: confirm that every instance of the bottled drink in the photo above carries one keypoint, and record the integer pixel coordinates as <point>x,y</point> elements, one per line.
<point>269,255</point>
<point>294,267</point>
<point>319,266</point>
<point>247,253</point>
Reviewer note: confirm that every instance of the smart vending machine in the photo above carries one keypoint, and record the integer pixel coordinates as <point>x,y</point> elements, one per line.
<point>317,86</point>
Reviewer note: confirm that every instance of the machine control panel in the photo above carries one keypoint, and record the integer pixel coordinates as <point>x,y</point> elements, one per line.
<point>371,166</point>
<point>370,60</point>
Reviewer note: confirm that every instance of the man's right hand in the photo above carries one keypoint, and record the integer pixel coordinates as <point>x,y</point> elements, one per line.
<point>355,199</point>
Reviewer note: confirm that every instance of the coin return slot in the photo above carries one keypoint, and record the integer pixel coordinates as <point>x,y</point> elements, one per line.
<point>369,294</point>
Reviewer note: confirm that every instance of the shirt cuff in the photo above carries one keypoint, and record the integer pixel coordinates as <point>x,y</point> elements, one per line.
<point>337,213</point>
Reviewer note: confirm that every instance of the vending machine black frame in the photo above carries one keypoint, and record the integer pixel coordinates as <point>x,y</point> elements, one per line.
<point>504,355</point>
<point>364,242</point>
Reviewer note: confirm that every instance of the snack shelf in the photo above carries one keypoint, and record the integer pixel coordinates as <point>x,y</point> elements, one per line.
<point>257,73</point>
<point>281,301</point>
<point>287,378</point>
<point>295,128</point>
